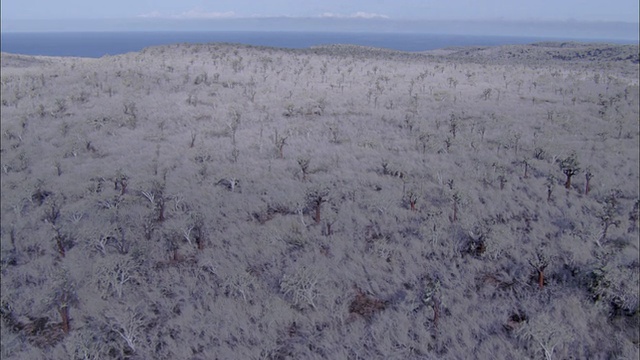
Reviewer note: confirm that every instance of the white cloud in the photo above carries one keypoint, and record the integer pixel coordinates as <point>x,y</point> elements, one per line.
<point>201,14</point>
<point>153,14</point>
<point>365,15</point>
<point>191,14</point>
<point>196,14</point>
<point>356,15</point>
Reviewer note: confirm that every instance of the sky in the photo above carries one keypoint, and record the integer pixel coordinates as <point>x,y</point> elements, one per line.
<point>580,10</point>
<point>396,15</point>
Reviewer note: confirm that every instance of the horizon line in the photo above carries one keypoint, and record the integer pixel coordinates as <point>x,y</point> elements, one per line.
<point>328,18</point>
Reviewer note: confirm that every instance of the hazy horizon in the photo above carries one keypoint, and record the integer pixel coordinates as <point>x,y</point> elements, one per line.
<point>568,19</point>
<point>543,10</point>
<point>556,29</point>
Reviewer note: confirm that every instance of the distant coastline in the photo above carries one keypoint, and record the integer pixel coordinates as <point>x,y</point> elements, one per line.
<point>98,44</point>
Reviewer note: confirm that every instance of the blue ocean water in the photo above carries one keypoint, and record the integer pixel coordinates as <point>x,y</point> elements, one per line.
<point>97,44</point>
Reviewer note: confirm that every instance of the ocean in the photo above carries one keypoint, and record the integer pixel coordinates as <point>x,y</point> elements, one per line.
<point>97,44</point>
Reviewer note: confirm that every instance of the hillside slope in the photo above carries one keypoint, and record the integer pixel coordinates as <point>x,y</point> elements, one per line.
<point>340,202</point>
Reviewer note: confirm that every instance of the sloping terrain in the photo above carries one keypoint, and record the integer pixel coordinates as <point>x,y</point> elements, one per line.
<point>546,52</point>
<point>340,202</point>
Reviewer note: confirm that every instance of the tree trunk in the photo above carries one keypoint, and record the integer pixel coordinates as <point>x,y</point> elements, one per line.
<point>540,279</point>
<point>317,215</point>
<point>587,187</point>
<point>567,184</point>
<point>436,313</point>
<point>604,231</point>
<point>160,209</point>
<point>328,233</point>
<point>64,316</point>
<point>60,245</point>
<point>455,212</point>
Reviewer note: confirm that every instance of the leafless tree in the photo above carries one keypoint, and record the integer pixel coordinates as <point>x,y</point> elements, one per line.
<point>431,298</point>
<point>115,272</point>
<point>316,197</point>
<point>456,200</point>
<point>128,324</point>
<point>412,197</point>
<point>570,167</point>
<point>303,162</point>
<point>486,94</point>
<point>234,123</point>
<point>280,142</point>
<point>301,287</point>
<point>550,184</point>
<point>193,138</point>
<point>634,216</point>
<point>609,215</point>
<point>539,263</point>
<point>157,199</point>
<point>548,334</point>
<point>525,162</point>
<point>588,176</point>
<point>62,297</point>
<point>453,125</point>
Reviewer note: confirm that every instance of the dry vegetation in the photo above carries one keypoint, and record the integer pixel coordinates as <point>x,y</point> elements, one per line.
<point>225,201</point>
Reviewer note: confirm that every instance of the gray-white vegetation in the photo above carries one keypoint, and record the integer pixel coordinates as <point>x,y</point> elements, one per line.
<point>339,202</point>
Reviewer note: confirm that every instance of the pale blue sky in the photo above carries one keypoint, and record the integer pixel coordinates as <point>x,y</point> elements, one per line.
<point>580,10</point>
<point>569,19</point>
